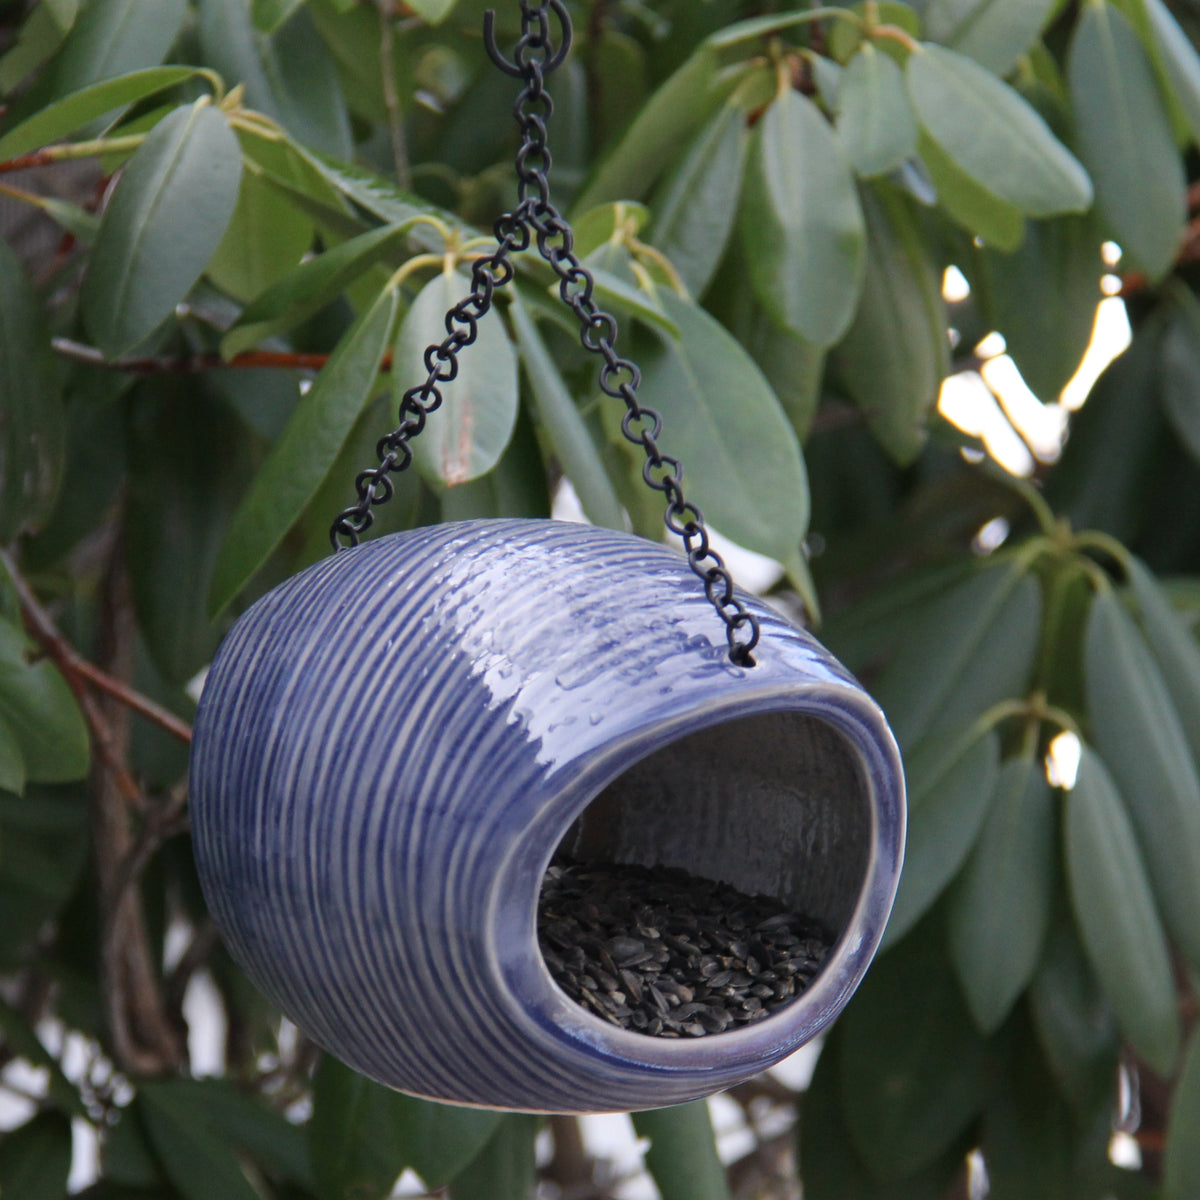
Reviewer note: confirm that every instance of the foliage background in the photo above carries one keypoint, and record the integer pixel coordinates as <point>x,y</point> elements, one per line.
<point>250,217</point>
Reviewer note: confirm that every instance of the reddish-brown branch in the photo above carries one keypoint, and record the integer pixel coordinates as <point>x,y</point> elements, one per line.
<point>78,672</point>
<point>190,364</point>
<point>140,704</point>
<point>35,158</point>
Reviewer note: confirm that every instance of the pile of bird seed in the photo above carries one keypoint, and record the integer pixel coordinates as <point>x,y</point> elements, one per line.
<point>669,954</point>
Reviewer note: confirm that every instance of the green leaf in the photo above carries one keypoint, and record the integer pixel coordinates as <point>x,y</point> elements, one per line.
<point>353,1134</point>
<point>895,353</point>
<point>802,226</point>
<point>432,11</point>
<point>1175,650</point>
<point>1043,299</point>
<point>307,288</point>
<point>951,778</point>
<point>1180,61</point>
<point>993,135</point>
<point>363,1135</point>
<point>268,15</point>
<point>1125,139</point>
<point>1116,916</point>
<point>506,1167</point>
<point>467,434</point>
<point>697,205</point>
<point>40,711</point>
<point>12,761</point>
<point>1181,1166</point>
<point>994,221</point>
<point>35,1159</point>
<point>442,1140</point>
<point>413,502</point>
<point>43,852</point>
<point>962,652</point>
<point>1029,1132</point>
<point>288,76</point>
<point>189,465</point>
<point>612,92</point>
<point>1136,729</point>
<point>164,221</point>
<point>198,1160</point>
<point>81,224</point>
<point>577,454</point>
<point>268,1137</point>
<point>757,27</point>
<point>127,1157</point>
<point>875,120</point>
<point>39,37</point>
<point>607,223</point>
<point>914,1071</point>
<point>831,1167</point>
<point>743,464</point>
<point>32,424</point>
<point>377,196</point>
<point>65,116</point>
<point>306,87</point>
<point>792,366</point>
<point>264,240</point>
<point>298,180</point>
<point>682,1156</point>
<point>1000,906</point>
<point>866,635</point>
<point>1181,370</point>
<point>680,106</point>
<point>305,451</point>
<point>515,487</point>
<point>1074,1021</point>
<point>114,38</point>
<point>995,33</point>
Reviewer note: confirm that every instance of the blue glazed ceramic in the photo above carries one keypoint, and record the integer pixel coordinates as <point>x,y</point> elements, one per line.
<point>391,745</point>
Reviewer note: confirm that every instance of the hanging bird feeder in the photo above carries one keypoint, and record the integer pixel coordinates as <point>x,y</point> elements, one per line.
<point>402,752</point>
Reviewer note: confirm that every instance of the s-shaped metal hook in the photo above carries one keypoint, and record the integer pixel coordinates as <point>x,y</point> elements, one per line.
<point>489,42</point>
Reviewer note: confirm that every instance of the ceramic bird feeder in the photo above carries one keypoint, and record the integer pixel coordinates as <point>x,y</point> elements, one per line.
<point>393,746</point>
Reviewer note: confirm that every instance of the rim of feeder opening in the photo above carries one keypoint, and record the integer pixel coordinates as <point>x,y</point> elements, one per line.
<point>536,221</point>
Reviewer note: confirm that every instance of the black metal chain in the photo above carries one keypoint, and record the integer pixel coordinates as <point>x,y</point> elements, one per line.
<point>536,220</point>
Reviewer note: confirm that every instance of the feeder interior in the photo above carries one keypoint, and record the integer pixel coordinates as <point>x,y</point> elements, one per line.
<point>774,804</point>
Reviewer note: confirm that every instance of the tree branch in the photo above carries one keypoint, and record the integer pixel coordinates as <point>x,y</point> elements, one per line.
<point>77,671</point>
<point>144,1039</point>
<point>187,364</point>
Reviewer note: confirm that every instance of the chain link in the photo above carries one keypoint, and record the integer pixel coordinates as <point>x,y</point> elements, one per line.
<point>536,221</point>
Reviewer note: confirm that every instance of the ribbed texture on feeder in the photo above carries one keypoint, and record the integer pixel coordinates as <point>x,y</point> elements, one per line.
<point>391,745</point>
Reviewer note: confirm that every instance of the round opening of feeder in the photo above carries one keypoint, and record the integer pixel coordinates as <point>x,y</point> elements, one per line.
<point>704,888</point>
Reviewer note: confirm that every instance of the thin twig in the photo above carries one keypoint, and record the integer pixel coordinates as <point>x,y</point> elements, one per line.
<point>36,158</point>
<point>186,364</point>
<point>140,704</point>
<point>77,669</point>
<point>199,949</point>
<point>395,118</point>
